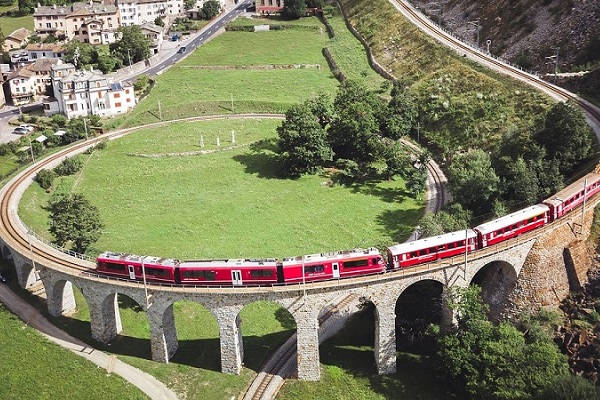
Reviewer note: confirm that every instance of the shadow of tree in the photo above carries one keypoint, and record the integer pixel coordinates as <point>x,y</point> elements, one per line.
<point>262,160</point>
<point>286,319</point>
<point>398,224</point>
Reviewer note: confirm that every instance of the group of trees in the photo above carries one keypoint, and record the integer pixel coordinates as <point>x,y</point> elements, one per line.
<point>210,8</point>
<point>132,46</point>
<point>352,133</point>
<point>294,9</point>
<point>523,170</point>
<point>482,360</point>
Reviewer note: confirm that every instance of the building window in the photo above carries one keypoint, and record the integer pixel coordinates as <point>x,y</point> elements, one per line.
<point>117,95</point>
<point>48,25</point>
<point>117,105</point>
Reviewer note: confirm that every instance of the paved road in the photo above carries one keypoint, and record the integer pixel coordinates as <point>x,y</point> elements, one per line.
<point>145,382</point>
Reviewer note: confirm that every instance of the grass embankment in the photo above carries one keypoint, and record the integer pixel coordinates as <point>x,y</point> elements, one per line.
<point>27,360</point>
<point>9,24</point>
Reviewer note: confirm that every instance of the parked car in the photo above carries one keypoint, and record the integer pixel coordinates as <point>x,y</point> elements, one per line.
<point>182,49</point>
<point>28,128</point>
<point>20,131</point>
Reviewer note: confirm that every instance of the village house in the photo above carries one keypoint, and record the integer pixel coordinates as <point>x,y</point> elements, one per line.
<point>30,81</point>
<point>44,50</point>
<point>16,39</point>
<point>137,12</point>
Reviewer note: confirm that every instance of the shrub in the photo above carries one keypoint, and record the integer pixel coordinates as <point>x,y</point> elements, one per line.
<point>45,178</point>
<point>69,166</point>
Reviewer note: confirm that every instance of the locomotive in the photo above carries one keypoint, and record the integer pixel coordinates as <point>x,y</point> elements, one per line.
<point>350,263</point>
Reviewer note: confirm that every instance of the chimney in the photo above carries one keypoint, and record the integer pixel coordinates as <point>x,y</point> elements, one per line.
<point>54,6</point>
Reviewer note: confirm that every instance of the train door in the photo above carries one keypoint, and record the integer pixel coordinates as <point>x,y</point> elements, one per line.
<point>131,272</point>
<point>336,270</point>
<point>236,277</point>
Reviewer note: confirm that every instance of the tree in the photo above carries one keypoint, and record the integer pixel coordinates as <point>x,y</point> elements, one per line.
<point>45,178</point>
<point>141,82</point>
<point>211,9</point>
<point>566,136</point>
<point>189,4</point>
<point>293,9</point>
<point>158,21</point>
<point>80,54</point>
<point>354,132</point>
<point>322,107</point>
<point>400,114</point>
<point>396,159</point>
<point>74,219</point>
<point>473,181</point>
<point>107,63</point>
<point>132,45</point>
<point>494,362</point>
<point>315,3</point>
<point>302,141</point>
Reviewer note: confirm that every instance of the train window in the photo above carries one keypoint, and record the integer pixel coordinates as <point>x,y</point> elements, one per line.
<point>314,269</point>
<point>413,254</point>
<point>195,274</point>
<point>356,263</point>
<point>259,273</point>
<point>114,267</point>
<point>156,271</point>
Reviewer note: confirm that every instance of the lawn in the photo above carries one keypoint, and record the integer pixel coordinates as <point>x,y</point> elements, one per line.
<point>39,356</point>
<point>231,203</point>
<point>9,24</point>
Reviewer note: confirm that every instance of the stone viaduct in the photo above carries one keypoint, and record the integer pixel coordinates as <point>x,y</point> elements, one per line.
<point>526,273</point>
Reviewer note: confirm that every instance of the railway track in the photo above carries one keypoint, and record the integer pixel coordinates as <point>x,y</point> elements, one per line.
<point>282,364</point>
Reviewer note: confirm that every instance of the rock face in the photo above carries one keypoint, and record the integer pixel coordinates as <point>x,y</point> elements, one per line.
<point>526,31</point>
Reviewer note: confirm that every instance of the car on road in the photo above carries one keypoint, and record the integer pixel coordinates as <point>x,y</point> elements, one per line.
<point>182,49</point>
<point>4,276</point>
<point>20,131</point>
<point>28,128</point>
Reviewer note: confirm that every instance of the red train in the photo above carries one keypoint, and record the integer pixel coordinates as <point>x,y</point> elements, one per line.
<point>238,272</point>
<point>342,264</point>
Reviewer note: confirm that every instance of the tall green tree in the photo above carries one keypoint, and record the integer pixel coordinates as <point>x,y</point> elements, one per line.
<point>473,182</point>
<point>400,114</point>
<point>74,219</point>
<point>211,9</point>
<point>354,132</point>
<point>566,136</point>
<point>293,9</point>
<point>302,141</point>
<point>80,54</point>
<point>132,43</point>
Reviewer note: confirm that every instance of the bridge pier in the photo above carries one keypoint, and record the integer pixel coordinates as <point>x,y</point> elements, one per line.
<point>163,334</point>
<point>230,333</point>
<point>60,297</point>
<point>385,338</point>
<point>25,271</point>
<point>307,329</point>
<point>105,318</point>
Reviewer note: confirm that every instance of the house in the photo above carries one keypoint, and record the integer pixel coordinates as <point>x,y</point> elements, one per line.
<point>81,93</point>
<point>87,22</point>
<point>41,69</point>
<point>194,12</point>
<point>21,86</point>
<point>16,40</point>
<point>137,12</point>
<point>268,7</point>
<point>44,50</point>
<point>155,34</point>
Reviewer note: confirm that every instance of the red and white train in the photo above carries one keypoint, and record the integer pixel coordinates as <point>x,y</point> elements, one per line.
<point>343,264</point>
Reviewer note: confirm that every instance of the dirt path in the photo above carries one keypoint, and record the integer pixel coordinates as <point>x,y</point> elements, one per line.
<point>32,317</point>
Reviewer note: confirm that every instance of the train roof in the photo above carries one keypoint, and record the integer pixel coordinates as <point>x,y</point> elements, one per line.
<point>332,256</point>
<point>431,242</point>
<point>513,218</point>
<point>135,259</point>
<point>228,263</point>
<point>573,189</point>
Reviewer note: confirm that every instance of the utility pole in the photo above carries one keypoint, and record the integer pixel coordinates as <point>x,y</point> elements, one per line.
<point>85,128</point>
<point>478,27</point>
<point>554,60</point>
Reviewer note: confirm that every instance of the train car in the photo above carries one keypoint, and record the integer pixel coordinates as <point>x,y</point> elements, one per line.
<point>236,272</point>
<point>430,249</point>
<point>335,265</point>
<point>511,225</point>
<point>130,266</point>
<point>572,196</point>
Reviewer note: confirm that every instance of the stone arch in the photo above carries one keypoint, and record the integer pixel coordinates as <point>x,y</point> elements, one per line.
<point>497,280</point>
<point>192,330</point>
<point>26,273</point>
<point>60,296</point>
<point>418,306</point>
<point>265,326</point>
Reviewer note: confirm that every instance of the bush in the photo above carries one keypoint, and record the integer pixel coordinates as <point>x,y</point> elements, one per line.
<point>69,166</point>
<point>45,178</point>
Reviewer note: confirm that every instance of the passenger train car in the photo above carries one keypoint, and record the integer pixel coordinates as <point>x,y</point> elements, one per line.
<point>343,264</point>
